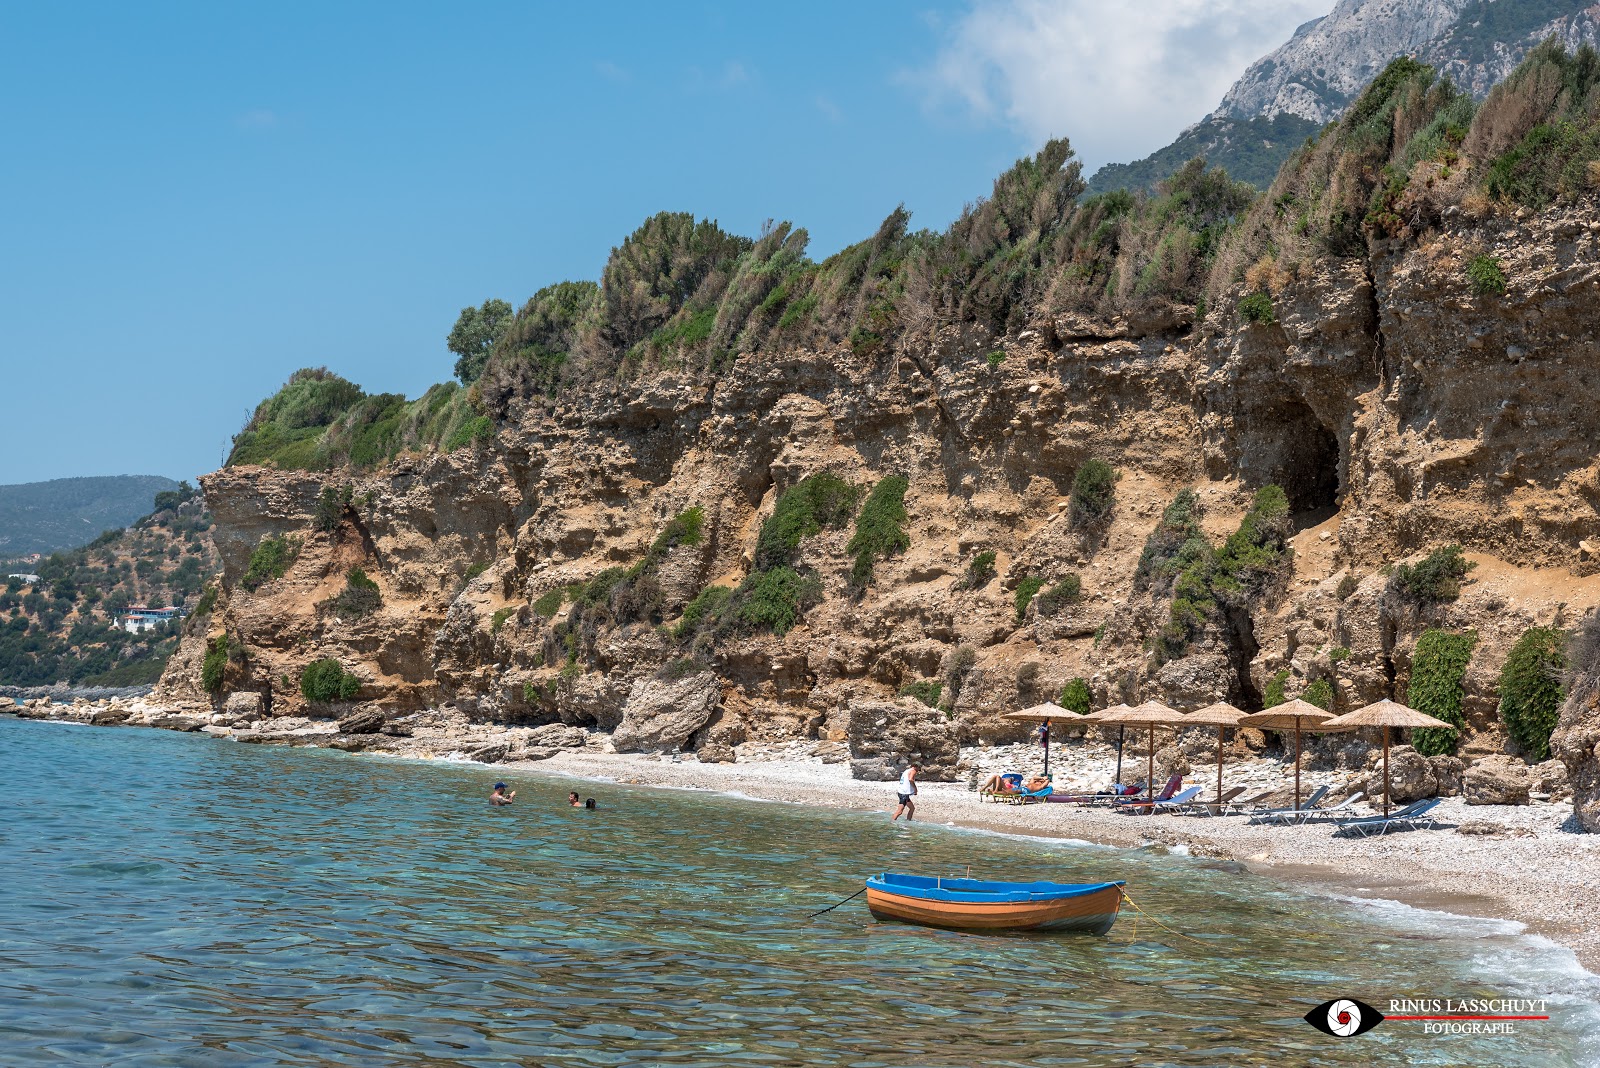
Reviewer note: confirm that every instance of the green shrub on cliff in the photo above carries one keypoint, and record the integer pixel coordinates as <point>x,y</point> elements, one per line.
<point>1530,689</point>
<point>214,667</point>
<point>1061,596</point>
<point>1094,494</point>
<point>1319,693</point>
<point>474,431</point>
<point>1257,308</point>
<point>880,528</point>
<point>1026,589</point>
<point>927,691</point>
<point>980,572</point>
<point>1075,696</point>
<point>360,596</point>
<point>772,600</point>
<point>1487,279</point>
<point>1175,544</point>
<point>823,501</point>
<point>1276,692</point>
<point>1438,668</point>
<point>1435,579</point>
<point>326,681</point>
<point>702,612</point>
<point>271,559</point>
<point>549,603</point>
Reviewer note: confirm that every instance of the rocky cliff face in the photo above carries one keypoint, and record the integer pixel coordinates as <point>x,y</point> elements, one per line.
<point>1329,60</point>
<point>1398,409</point>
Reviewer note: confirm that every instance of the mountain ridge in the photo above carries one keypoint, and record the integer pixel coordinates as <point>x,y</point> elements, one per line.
<point>64,513</point>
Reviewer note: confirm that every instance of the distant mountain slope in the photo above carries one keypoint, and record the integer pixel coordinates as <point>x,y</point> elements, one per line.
<point>1327,61</point>
<point>44,517</point>
<point>1250,150</point>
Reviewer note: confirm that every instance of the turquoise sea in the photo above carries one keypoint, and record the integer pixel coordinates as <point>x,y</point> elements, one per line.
<point>177,900</point>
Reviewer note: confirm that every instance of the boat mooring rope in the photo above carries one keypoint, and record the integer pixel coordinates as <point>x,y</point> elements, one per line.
<point>836,904</point>
<point>1129,898</point>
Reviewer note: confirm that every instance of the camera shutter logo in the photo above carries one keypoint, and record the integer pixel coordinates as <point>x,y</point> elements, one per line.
<point>1344,1017</point>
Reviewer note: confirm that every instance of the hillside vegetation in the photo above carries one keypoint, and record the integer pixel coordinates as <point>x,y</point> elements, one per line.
<point>61,628</point>
<point>683,296</point>
<point>46,517</point>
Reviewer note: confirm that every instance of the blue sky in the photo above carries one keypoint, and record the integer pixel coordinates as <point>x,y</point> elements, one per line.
<point>201,198</point>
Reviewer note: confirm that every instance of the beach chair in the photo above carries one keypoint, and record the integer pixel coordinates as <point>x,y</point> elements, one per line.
<point>1417,815</point>
<point>1213,807</point>
<point>1004,786</point>
<point>1265,815</point>
<point>1291,817</point>
<point>1249,804</point>
<point>1179,801</point>
<point>1165,795</point>
<point>1142,804</point>
<point>1104,798</point>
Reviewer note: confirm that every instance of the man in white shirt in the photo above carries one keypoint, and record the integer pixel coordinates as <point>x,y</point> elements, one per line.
<point>905,791</point>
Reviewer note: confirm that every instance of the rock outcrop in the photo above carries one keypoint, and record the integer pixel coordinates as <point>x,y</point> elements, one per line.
<point>662,714</point>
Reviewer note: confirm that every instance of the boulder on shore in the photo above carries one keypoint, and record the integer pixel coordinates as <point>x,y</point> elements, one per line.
<point>884,736</point>
<point>365,720</point>
<point>558,736</point>
<point>1577,742</point>
<point>660,715</point>
<point>243,705</point>
<point>1497,780</point>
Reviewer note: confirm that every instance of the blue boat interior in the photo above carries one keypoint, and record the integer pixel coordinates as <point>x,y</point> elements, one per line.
<point>934,888</point>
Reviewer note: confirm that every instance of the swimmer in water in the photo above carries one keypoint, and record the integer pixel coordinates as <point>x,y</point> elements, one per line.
<point>500,797</point>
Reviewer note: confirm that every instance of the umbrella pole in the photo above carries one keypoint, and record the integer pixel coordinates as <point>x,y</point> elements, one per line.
<point>1385,770</point>
<point>1150,766</point>
<point>1121,737</point>
<point>1219,764</point>
<point>1297,764</point>
<point>1047,749</point>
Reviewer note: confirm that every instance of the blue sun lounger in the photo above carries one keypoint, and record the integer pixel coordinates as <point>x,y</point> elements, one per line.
<point>1414,816</point>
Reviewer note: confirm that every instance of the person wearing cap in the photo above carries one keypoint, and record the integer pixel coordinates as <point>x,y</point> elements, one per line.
<point>500,797</point>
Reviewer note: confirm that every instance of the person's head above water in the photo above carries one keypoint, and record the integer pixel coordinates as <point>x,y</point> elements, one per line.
<point>573,798</point>
<point>499,786</point>
<point>589,803</point>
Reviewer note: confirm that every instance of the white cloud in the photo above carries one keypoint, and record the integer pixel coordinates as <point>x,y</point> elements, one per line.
<point>1120,80</point>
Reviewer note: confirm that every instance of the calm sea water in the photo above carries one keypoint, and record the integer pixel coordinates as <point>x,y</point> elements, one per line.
<point>175,900</point>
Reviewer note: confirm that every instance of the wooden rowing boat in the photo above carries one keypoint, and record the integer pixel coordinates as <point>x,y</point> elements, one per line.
<point>981,905</point>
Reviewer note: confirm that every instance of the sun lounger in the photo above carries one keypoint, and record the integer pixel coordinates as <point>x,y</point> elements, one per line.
<point>1179,801</point>
<point>1249,804</point>
<point>1012,788</point>
<point>1165,795</point>
<point>1000,786</point>
<point>1265,815</point>
<point>1414,816</point>
<point>1104,798</point>
<point>1290,817</point>
<point>1213,807</point>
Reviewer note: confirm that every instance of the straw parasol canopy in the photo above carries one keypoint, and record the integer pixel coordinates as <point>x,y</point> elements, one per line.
<point>1221,715</point>
<point>1386,714</point>
<point>1150,715</point>
<point>1048,710</point>
<point>1297,716</point>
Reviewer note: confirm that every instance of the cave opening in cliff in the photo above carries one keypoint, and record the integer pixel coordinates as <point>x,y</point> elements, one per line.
<point>1309,472</point>
<point>1242,649</point>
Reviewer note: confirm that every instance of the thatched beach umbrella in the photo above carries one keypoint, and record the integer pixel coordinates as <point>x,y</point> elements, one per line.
<point>1385,714</point>
<point>1221,715</point>
<point>1151,714</point>
<point>1297,716</point>
<point>1047,712</point>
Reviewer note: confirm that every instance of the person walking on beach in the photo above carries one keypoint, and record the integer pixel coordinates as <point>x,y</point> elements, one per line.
<point>500,797</point>
<point>905,791</point>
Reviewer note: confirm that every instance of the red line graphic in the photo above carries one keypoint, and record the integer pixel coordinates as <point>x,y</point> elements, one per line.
<point>1466,1017</point>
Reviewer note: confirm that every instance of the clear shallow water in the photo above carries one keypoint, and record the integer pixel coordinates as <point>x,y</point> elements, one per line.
<point>174,900</point>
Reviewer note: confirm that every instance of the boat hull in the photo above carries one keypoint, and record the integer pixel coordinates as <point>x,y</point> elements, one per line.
<point>1091,913</point>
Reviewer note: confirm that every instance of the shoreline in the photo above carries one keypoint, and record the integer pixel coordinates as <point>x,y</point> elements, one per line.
<point>1535,874</point>
<point>1503,889</point>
